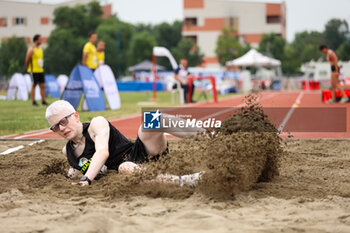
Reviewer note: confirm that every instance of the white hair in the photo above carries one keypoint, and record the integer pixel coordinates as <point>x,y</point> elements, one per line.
<point>57,107</point>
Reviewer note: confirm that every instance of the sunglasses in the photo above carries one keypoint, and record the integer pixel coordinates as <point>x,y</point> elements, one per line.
<point>63,122</point>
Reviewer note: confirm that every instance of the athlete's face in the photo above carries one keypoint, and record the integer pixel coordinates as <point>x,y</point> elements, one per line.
<point>93,38</point>
<point>184,62</point>
<point>324,51</point>
<point>65,124</point>
<point>39,41</point>
<point>101,46</point>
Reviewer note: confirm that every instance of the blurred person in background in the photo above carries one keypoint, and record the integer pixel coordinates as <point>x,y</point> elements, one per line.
<point>181,74</point>
<point>335,84</point>
<point>101,52</point>
<point>35,67</point>
<point>90,52</point>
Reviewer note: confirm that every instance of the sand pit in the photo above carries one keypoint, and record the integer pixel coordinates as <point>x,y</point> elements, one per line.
<point>253,182</point>
<point>311,194</point>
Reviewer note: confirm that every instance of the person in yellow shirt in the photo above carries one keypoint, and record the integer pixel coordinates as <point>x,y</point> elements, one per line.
<point>35,67</point>
<point>90,52</point>
<point>101,52</point>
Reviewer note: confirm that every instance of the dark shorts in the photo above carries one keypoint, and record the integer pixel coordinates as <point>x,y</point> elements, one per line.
<point>138,153</point>
<point>38,78</point>
<point>333,68</point>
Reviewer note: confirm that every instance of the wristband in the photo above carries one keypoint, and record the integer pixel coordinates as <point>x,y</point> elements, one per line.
<point>85,178</point>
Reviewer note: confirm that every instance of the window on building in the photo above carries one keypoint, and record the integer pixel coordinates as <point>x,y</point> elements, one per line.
<point>3,22</point>
<point>44,20</point>
<point>190,22</point>
<point>19,21</point>
<point>231,23</point>
<point>273,19</point>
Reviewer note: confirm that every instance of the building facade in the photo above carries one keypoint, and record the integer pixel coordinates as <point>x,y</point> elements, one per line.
<point>205,19</point>
<point>24,19</point>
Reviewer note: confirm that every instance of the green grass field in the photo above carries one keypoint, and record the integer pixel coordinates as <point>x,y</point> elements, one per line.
<point>20,116</point>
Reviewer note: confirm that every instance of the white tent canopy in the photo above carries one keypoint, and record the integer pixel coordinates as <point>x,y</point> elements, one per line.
<point>254,58</point>
<point>145,65</point>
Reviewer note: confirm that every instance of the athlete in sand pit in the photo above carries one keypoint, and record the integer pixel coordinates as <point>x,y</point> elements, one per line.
<point>333,60</point>
<point>93,147</point>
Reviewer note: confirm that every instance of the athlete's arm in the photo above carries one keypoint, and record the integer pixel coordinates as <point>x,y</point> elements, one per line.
<point>177,78</point>
<point>83,62</point>
<point>29,56</point>
<point>86,50</point>
<point>99,132</point>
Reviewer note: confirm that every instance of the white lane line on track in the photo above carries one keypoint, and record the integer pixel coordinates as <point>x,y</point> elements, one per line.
<point>35,142</point>
<point>290,112</point>
<point>13,149</point>
<point>8,151</point>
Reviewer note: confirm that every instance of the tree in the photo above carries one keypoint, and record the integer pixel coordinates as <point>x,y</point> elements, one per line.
<point>117,36</point>
<point>140,27</point>
<point>290,63</point>
<point>334,33</point>
<point>306,46</point>
<point>168,35</point>
<point>228,47</point>
<point>63,52</point>
<point>187,49</point>
<point>141,47</point>
<point>81,19</point>
<point>12,56</point>
<point>66,42</point>
<point>273,46</point>
<point>343,51</point>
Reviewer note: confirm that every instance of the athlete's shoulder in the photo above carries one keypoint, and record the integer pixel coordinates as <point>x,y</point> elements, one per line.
<point>99,122</point>
<point>98,118</point>
<point>30,49</point>
<point>99,126</point>
<point>87,46</point>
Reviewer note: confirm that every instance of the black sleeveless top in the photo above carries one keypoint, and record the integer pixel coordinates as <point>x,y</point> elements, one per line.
<point>118,146</point>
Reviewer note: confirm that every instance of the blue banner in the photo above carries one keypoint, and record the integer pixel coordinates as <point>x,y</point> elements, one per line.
<point>51,86</point>
<point>81,80</point>
<point>140,86</point>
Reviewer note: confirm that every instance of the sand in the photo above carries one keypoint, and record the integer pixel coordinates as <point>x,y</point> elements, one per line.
<point>311,194</point>
<point>253,182</point>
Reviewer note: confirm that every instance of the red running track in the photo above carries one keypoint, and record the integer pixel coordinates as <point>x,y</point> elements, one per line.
<point>301,112</point>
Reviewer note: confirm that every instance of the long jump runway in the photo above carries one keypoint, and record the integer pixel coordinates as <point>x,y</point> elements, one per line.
<point>301,113</point>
